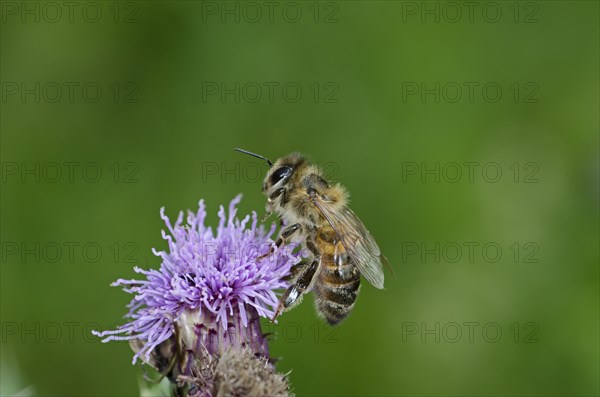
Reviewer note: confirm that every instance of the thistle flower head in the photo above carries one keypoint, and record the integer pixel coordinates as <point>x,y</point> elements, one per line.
<point>211,286</point>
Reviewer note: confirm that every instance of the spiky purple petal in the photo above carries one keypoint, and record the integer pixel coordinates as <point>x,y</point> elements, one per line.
<point>216,276</point>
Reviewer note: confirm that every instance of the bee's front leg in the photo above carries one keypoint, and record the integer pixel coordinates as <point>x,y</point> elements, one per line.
<point>266,215</point>
<point>293,295</point>
<point>285,235</point>
<point>269,208</point>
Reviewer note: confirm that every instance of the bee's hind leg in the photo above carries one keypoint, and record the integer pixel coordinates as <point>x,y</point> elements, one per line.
<point>297,269</point>
<point>293,295</point>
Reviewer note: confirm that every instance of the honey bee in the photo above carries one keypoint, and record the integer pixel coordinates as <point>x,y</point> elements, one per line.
<point>315,212</point>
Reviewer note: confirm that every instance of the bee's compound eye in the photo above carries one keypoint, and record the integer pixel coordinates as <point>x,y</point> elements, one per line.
<point>280,174</point>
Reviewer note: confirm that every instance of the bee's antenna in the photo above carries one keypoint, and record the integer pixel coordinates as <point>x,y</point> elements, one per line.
<point>254,155</point>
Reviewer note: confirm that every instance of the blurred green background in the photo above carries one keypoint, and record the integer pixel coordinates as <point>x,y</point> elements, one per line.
<point>153,107</point>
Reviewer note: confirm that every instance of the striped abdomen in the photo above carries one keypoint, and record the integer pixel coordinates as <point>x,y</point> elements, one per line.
<point>337,280</point>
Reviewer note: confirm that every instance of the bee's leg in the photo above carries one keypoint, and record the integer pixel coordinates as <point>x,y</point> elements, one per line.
<point>283,237</point>
<point>276,194</point>
<point>293,294</point>
<point>266,215</point>
<point>312,248</point>
<point>297,269</point>
<point>287,233</point>
<point>270,199</point>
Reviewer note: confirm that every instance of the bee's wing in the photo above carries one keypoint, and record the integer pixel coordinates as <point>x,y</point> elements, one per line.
<point>357,240</point>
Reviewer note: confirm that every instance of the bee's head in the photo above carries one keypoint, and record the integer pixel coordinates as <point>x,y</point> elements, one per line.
<point>280,173</point>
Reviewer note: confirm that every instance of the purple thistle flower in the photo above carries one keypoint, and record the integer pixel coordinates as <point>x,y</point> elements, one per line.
<point>210,289</point>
